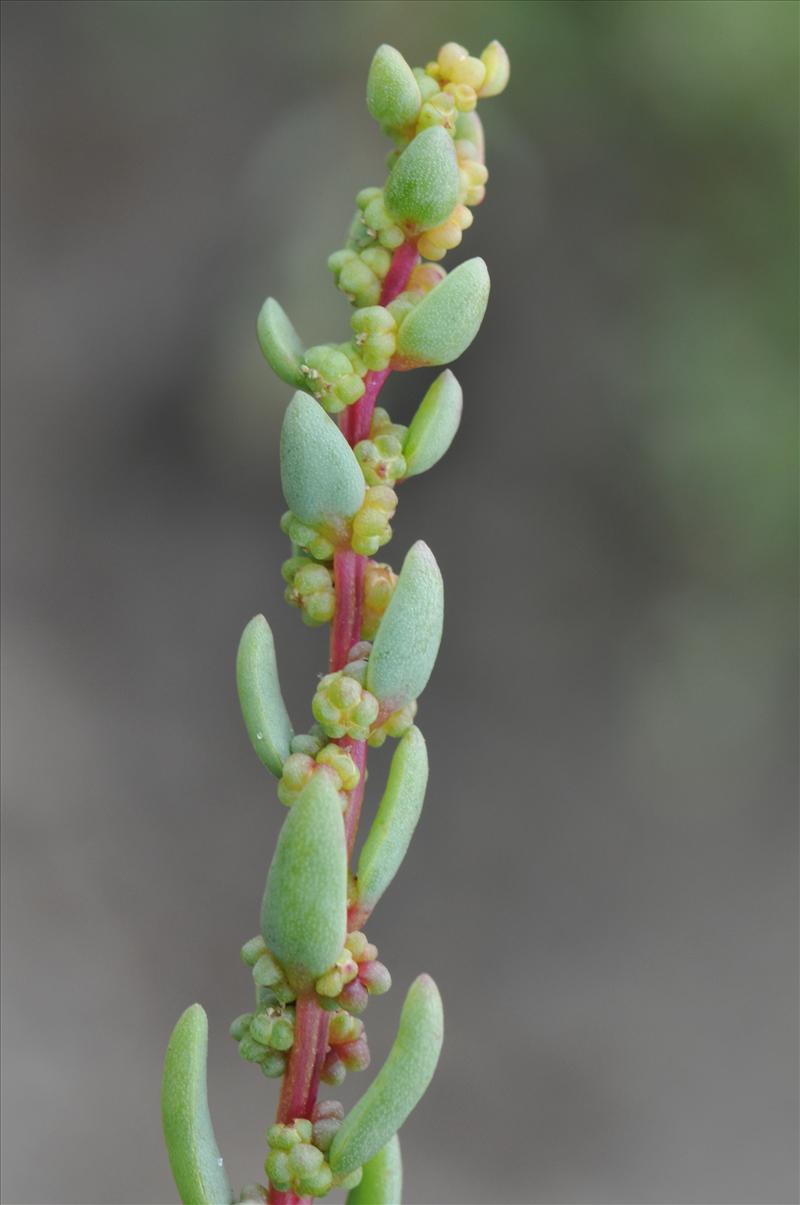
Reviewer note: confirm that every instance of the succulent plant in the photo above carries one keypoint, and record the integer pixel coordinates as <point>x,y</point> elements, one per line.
<point>313,967</point>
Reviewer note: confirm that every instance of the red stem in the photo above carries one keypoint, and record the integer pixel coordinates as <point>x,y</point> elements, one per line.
<point>301,1081</point>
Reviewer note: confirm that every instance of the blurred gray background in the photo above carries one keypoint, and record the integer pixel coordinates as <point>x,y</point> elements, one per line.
<point>604,881</point>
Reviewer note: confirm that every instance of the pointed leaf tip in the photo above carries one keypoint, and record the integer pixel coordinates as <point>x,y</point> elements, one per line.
<point>434,426</point>
<point>194,1157</point>
<point>445,322</point>
<point>263,709</point>
<point>321,478</point>
<point>304,910</point>
<point>400,1083</point>
<point>393,95</point>
<point>423,185</point>
<point>280,343</point>
<point>393,827</point>
<point>410,632</point>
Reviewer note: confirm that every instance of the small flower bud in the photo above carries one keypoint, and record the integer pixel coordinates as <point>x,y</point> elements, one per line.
<point>310,587</point>
<point>261,1028</point>
<point>428,84</point>
<point>464,96</point>
<point>375,977</point>
<point>379,584</point>
<point>333,1071</point>
<point>252,1051</point>
<point>310,742</point>
<point>266,972</point>
<point>282,1036</point>
<point>316,543</point>
<point>375,328</point>
<point>278,1170</point>
<point>381,459</point>
<point>395,725</point>
<point>469,71</point>
<point>354,1055</point>
<point>252,950</point>
<point>378,260</point>
<point>354,997</point>
<point>448,58</point>
<point>241,1026</point>
<point>341,763</point>
<point>438,112</point>
<point>425,277</point>
<point>273,1065</point>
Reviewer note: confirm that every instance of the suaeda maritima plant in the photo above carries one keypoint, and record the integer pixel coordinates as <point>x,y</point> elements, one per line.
<point>342,459</point>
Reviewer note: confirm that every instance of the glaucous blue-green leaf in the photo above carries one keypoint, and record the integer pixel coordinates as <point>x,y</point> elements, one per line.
<point>434,425</point>
<point>446,320</point>
<point>194,1156</point>
<point>410,632</point>
<point>382,1179</point>
<point>399,1084</point>
<point>304,910</point>
<point>321,478</point>
<point>423,185</point>
<point>280,343</point>
<point>264,711</point>
<point>394,823</point>
<point>393,95</point>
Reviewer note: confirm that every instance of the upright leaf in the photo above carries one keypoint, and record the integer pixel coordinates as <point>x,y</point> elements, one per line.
<point>399,1084</point>
<point>264,711</point>
<point>304,910</point>
<point>434,425</point>
<point>321,478</point>
<point>446,320</point>
<point>410,631</point>
<point>423,185</point>
<point>382,1179</point>
<point>393,96</point>
<point>194,1157</point>
<point>394,824</point>
<point>280,343</point>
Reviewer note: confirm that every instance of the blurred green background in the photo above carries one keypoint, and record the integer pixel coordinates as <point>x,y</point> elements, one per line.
<point>605,879</point>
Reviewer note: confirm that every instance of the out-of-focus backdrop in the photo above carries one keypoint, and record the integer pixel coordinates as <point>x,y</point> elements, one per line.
<point>604,879</point>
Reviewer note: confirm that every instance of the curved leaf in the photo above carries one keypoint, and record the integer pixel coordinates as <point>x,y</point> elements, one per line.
<point>280,343</point>
<point>394,824</point>
<point>321,478</point>
<point>382,1181</point>
<point>434,426</point>
<point>264,711</point>
<point>446,320</point>
<point>194,1156</point>
<point>304,910</point>
<point>410,631</point>
<point>399,1084</point>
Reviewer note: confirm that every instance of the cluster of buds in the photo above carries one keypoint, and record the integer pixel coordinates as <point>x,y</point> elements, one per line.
<point>297,1164</point>
<point>355,976</point>
<point>347,1048</point>
<point>316,541</point>
<point>396,724</point>
<point>379,585</point>
<point>310,587</point>
<point>331,377</point>
<point>375,329</point>
<point>459,75</point>
<point>378,222</point>
<point>372,523</point>
<point>266,1035</point>
<point>311,755</point>
<point>381,460</point>
<point>342,706</point>
<point>435,243</point>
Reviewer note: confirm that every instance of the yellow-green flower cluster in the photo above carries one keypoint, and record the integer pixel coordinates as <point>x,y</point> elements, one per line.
<point>379,586</point>
<point>297,1164</point>
<point>342,706</point>
<point>331,377</point>
<point>300,765</point>
<point>309,586</point>
<point>372,523</point>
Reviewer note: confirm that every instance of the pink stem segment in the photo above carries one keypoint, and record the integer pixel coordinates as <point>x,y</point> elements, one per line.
<point>301,1082</point>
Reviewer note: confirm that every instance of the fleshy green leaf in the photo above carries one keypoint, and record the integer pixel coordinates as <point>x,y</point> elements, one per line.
<point>423,185</point>
<point>264,711</point>
<point>395,821</point>
<point>194,1156</point>
<point>410,631</point>
<point>382,1181</point>
<point>399,1084</point>
<point>322,480</point>
<point>304,910</point>
<point>280,343</point>
<point>446,320</point>
<point>393,95</point>
<point>434,425</point>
